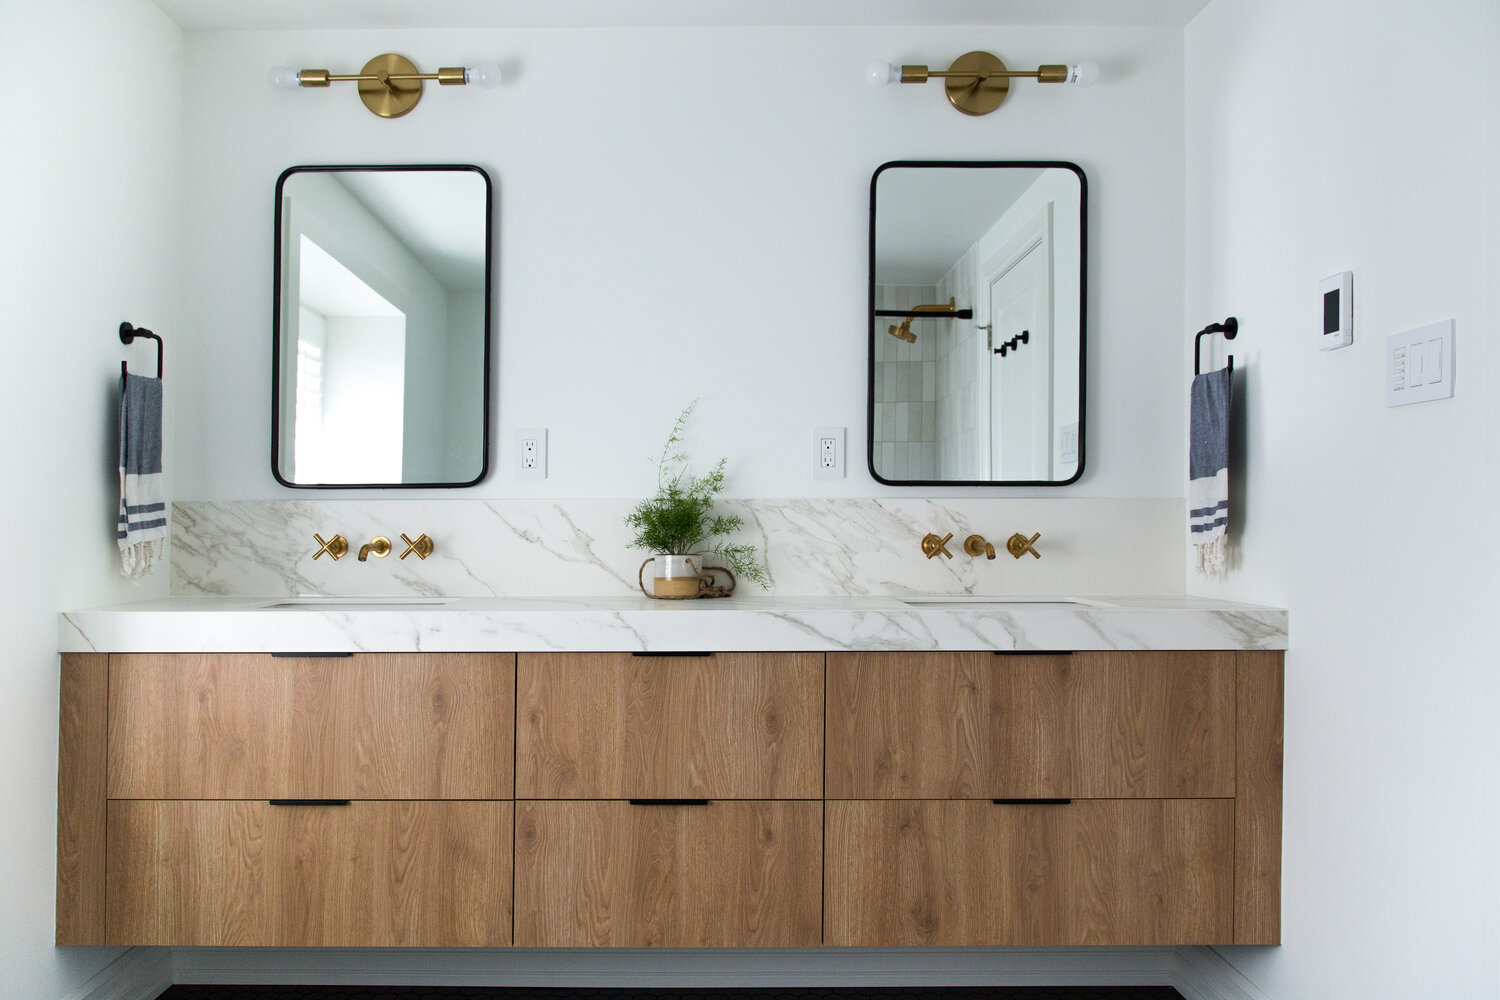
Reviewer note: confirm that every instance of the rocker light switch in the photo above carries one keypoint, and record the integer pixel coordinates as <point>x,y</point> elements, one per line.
<point>1419,364</point>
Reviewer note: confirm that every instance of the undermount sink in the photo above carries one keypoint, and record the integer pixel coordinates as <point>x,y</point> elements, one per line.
<point>971,601</point>
<point>360,603</point>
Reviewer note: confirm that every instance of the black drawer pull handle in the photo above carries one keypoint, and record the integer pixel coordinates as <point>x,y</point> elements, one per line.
<point>309,656</point>
<point>669,802</point>
<point>1033,652</point>
<point>309,802</point>
<point>1032,802</point>
<point>673,654</point>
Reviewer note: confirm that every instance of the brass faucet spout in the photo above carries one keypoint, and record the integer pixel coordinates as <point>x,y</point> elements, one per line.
<point>975,545</point>
<point>379,547</point>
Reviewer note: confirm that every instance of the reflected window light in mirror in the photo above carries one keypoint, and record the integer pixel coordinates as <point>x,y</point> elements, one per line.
<point>381,347</point>
<point>977,323</point>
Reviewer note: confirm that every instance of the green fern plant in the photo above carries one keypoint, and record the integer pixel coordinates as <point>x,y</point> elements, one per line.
<point>680,519</point>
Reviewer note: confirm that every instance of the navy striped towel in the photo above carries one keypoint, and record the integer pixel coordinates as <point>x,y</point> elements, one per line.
<point>143,497</point>
<point>1208,471</point>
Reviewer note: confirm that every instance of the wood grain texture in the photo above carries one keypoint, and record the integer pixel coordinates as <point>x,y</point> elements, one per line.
<point>612,725</point>
<point>368,726</point>
<point>1095,872</point>
<point>1257,815</point>
<point>369,874</point>
<point>975,725</point>
<point>80,798</point>
<point>724,875</point>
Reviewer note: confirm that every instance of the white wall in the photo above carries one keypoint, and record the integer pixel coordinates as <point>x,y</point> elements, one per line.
<point>88,195</point>
<point>1325,135</point>
<point>684,212</point>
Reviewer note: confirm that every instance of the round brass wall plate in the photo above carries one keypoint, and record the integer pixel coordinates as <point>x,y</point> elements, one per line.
<point>979,94</point>
<point>389,98</point>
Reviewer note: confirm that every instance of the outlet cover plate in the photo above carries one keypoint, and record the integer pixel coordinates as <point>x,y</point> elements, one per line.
<point>531,453</point>
<point>828,453</point>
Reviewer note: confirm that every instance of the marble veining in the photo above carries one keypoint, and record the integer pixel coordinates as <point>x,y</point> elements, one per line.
<point>637,624</point>
<point>813,547</point>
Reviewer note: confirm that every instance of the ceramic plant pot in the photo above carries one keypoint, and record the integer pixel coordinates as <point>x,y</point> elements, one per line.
<point>674,577</point>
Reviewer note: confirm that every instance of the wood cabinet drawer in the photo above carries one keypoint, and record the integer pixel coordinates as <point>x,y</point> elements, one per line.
<point>721,875</point>
<point>977,725</point>
<point>367,726</point>
<point>614,726</point>
<point>367,874</point>
<point>1091,872</point>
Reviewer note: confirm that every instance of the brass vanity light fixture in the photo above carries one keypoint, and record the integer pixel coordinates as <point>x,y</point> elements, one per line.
<point>390,84</point>
<point>337,546</point>
<point>978,82</point>
<point>422,546</point>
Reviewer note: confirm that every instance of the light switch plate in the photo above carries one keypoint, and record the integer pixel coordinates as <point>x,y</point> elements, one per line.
<point>1336,302</point>
<point>1419,364</point>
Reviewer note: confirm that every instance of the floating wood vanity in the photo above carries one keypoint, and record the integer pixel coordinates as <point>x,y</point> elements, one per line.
<point>611,799</point>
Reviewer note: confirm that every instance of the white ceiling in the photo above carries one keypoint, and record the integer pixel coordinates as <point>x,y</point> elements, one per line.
<point>194,15</point>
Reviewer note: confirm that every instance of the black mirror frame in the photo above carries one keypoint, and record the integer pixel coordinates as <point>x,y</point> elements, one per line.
<point>1083,226</point>
<point>489,282</point>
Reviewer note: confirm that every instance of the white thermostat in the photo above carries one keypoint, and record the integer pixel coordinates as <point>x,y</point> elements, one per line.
<point>1336,295</point>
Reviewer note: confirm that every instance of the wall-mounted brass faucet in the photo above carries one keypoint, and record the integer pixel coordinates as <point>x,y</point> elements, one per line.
<point>976,546</point>
<point>337,546</point>
<point>379,547</point>
<point>932,545</point>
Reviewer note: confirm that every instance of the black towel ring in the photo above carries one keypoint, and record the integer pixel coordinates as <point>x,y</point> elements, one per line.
<point>1230,328</point>
<point>128,333</point>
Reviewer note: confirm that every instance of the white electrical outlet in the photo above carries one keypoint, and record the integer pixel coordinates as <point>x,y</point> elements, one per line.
<point>828,453</point>
<point>531,453</point>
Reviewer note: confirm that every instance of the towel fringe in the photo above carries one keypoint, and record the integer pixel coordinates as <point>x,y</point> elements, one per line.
<point>139,558</point>
<point>1211,557</point>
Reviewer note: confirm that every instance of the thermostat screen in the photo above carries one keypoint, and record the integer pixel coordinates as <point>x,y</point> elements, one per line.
<point>1331,311</point>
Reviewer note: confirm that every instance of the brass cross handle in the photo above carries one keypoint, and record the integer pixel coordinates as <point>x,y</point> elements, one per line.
<point>1018,545</point>
<point>422,546</point>
<point>337,546</point>
<point>932,545</point>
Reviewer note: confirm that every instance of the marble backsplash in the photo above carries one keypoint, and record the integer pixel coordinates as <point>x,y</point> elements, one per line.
<point>524,547</point>
<point>536,548</point>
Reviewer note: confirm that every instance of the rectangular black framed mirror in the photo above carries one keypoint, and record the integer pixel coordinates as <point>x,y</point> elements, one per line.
<point>381,342</point>
<point>976,312</point>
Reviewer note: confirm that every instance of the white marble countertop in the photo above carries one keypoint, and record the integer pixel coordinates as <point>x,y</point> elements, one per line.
<point>541,624</point>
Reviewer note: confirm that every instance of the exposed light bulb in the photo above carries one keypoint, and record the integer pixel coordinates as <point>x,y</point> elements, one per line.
<point>284,78</point>
<point>483,75</point>
<point>880,71</point>
<point>1084,74</point>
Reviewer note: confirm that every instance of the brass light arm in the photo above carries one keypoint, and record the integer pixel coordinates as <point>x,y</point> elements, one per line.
<point>1050,73</point>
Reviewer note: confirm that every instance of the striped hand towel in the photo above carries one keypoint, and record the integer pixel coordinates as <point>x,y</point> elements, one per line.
<point>1208,471</point>
<point>142,531</point>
